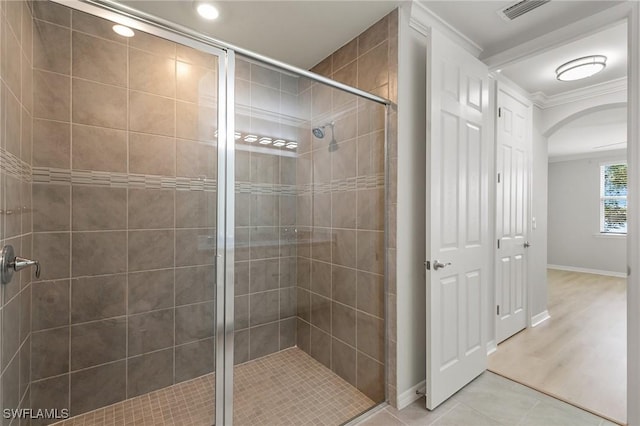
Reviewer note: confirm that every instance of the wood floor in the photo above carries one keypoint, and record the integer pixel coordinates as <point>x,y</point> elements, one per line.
<point>580,354</point>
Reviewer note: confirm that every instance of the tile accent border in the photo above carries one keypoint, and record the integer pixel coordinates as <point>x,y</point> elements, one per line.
<point>120,180</point>
<point>139,181</point>
<point>13,166</point>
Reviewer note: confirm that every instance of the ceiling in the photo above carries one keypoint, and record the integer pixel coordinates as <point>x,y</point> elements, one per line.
<point>537,73</point>
<point>479,21</point>
<point>592,133</point>
<point>301,33</point>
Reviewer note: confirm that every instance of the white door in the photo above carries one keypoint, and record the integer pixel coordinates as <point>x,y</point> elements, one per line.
<point>458,158</point>
<point>512,212</point>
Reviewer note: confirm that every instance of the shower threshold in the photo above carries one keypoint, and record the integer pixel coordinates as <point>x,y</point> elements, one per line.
<point>285,388</point>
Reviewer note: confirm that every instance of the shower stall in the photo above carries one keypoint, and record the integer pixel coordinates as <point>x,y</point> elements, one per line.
<point>209,226</point>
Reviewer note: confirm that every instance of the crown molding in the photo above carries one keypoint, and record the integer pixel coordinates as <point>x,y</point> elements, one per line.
<point>423,20</point>
<point>516,91</point>
<point>613,86</point>
<point>559,37</point>
<point>617,154</point>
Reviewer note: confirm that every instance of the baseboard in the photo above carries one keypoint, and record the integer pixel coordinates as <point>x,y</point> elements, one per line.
<point>407,397</point>
<point>491,347</point>
<point>540,318</point>
<point>588,271</point>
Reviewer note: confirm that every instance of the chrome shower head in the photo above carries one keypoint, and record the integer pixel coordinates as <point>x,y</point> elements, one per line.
<point>318,132</point>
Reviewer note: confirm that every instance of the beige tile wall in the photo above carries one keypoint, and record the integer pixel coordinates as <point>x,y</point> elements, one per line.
<point>370,62</point>
<point>124,212</point>
<point>16,110</point>
<point>125,303</point>
<point>341,270</point>
<point>265,297</point>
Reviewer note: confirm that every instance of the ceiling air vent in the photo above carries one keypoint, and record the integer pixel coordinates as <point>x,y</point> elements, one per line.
<point>520,8</point>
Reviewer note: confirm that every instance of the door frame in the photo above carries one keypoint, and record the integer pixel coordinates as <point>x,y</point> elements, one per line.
<point>633,234</point>
<point>225,178</point>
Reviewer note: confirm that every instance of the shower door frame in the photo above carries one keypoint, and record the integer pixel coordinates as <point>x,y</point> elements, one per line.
<point>225,183</point>
<point>225,175</point>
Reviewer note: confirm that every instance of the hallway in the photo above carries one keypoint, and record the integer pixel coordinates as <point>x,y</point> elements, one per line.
<point>580,353</point>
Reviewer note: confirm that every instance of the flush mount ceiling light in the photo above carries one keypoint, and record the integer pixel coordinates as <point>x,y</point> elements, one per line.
<point>207,11</point>
<point>123,31</point>
<point>581,68</point>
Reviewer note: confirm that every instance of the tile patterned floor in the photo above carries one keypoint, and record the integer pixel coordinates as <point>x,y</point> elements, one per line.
<point>490,400</point>
<point>287,388</point>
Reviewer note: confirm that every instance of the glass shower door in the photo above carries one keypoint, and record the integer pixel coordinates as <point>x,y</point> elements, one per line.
<point>112,186</point>
<point>174,242</point>
<point>309,250</point>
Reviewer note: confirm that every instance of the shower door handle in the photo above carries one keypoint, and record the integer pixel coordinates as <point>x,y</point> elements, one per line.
<point>10,263</point>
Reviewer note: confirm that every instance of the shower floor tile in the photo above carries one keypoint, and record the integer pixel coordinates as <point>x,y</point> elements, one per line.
<point>286,388</point>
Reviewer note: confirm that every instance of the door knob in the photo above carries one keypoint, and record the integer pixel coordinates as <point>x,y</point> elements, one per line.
<point>527,244</point>
<point>10,263</point>
<point>437,265</point>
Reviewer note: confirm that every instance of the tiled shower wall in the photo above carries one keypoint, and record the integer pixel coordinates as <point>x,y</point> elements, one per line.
<point>266,102</point>
<point>341,256</point>
<point>16,110</point>
<point>124,208</point>
<point>348,333</point>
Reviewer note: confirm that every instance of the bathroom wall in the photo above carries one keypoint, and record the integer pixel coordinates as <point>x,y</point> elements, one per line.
<point>16,111</point>
<point>341,221</point>
<point>124,205</point>
<point>266,102</point>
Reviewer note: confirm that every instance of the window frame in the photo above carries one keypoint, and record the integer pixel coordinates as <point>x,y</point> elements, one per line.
<point>603,198</point>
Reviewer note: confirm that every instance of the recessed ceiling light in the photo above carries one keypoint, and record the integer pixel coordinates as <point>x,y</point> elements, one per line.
<point>123,31</point>
<point>580,68</point>
<point>250,138</point>
<point>207,11</point>
<point>292,145</point>
<point>265,141</point>
<point>279,142</point>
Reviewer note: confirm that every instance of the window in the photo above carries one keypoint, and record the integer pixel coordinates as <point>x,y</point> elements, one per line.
<point>613,198</point>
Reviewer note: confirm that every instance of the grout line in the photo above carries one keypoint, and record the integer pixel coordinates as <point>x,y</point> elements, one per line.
<point>71,201</point>
<point>127,266</point>
<point>175,219</point>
